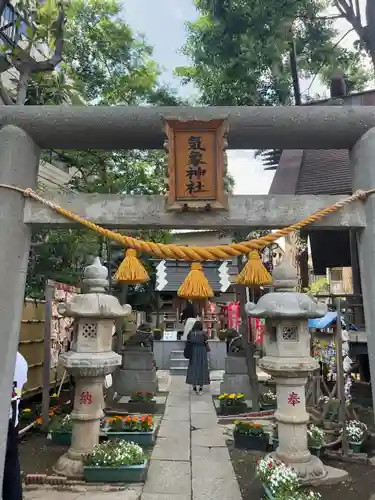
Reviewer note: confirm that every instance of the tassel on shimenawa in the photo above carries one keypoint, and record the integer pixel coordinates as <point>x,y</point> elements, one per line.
<point>196,285</point>
<point>254,273</point>
<point>131,270</point>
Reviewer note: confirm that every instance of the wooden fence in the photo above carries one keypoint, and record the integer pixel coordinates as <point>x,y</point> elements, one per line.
<point>31,346</point>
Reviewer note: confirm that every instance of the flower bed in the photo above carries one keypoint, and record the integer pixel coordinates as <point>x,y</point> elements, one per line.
<point>268,400</point>
<point>142,402</point>
<point>61,430</point>
<point>232,404</point>
<point>250,436</point>
<point>139,430</point>
<point>281,482</point>
<point>356,433</point>
<point>116,461</point>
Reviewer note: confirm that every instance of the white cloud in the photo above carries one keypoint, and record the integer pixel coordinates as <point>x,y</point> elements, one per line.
<point>248,172</point>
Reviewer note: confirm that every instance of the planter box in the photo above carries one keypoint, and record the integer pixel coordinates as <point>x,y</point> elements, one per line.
<point>251,442</point>
<point>356,447</point>
<point>232,410</point>
<point>141,438</point>
<point>131,474</point>
<point>267,491</point>
<point>268,406</point>
<point>143,407</point>
<point>61,438</point>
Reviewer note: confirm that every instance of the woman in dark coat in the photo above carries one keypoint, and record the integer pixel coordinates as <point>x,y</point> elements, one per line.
<point>197,347</point>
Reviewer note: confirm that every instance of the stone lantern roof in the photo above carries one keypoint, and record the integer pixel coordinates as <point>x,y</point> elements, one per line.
<point>284,302</point>
<point>95,303</point>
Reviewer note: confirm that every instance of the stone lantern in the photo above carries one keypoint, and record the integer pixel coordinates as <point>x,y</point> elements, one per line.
<point>287,359</point>
<point>89,361</point>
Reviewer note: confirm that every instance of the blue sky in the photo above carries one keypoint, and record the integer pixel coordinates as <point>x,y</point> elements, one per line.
<point>163,24</point>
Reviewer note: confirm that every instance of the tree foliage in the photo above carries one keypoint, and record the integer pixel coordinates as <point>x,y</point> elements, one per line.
<point>104,63</point>
<point>36,24</point>
<point>240,50</point>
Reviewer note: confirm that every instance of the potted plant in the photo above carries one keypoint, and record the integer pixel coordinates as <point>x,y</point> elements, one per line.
<point>315,439</point>
<point>139,430</point>
<point>27,415</point>
<point>142,402</point>
<point>115,461</point>
<point>356,433</point>
<point>278,480</point>
<point>61,430</point>
<point>232,404</point>
<point>268,400</point>
<point>158,334</point>
<point>250,436</point>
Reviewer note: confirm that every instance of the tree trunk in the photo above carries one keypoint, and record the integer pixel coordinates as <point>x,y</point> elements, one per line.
<point>23,84</point>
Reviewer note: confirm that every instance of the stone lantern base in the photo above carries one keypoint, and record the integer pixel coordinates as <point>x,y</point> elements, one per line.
<point>69,467</point>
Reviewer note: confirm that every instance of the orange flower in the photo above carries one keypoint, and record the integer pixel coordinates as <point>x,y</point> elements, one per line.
<point>135,419</point>
<point>128,419</point>
<point>143,419</point>
<point>38,420</point>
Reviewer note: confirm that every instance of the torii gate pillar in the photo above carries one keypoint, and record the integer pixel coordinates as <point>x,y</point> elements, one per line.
<point>19,160</point>
<point>363,168</point>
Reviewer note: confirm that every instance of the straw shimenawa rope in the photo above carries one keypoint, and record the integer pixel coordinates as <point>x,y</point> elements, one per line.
<point>194,253</point>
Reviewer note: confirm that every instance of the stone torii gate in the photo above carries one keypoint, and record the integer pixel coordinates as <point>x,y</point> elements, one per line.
<point>25,130</point>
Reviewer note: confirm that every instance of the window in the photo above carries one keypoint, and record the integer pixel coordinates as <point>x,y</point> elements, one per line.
<point>336,274</point>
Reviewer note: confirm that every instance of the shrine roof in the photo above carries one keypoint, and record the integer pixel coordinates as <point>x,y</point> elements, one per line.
<point>318,171</point>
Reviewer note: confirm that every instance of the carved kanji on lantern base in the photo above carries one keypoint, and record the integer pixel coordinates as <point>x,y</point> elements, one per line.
<point>196,164</point>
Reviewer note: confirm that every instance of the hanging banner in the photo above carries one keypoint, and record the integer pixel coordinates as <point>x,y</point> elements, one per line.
<point>234,315</point>
<point>257,326</point>
<point>196,164</point>
<point>210,310</point>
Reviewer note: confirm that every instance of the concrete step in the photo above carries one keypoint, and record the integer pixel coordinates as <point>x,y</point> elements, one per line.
<point>177,355</point>
<point>178,370</point>
<point>175,362</point>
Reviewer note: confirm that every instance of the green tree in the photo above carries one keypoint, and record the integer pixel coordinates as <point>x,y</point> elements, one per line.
<point>105,64</point>
<point>242,52</point>
<point>38,23</point>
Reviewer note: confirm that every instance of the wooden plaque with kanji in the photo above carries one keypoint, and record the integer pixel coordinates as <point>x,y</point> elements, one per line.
<point>196,164</point>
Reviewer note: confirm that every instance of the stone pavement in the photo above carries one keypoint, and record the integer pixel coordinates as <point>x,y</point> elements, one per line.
<point>190,460</point>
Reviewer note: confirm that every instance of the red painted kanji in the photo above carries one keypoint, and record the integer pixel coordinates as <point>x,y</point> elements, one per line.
<point>85,398</point>
<point>294,399</point>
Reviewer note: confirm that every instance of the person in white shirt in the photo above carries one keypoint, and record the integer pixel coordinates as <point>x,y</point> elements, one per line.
<point>12,484</point>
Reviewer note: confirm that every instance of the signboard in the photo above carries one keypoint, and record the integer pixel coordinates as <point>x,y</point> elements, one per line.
<point>196,164</point>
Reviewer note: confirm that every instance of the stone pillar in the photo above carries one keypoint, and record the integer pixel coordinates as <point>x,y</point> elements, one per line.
<point>363,171</point>
<point>236,378</point>
<point>288,361</point>
<point>89,361</point>
<point>19,160</point>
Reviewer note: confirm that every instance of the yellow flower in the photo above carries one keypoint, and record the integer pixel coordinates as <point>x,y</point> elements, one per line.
<point>223,396</point>
<point>27,410</point>
<point>232,396</point>
<point>240,396</point>
<point>54,395</point>
<point>236,422</point>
